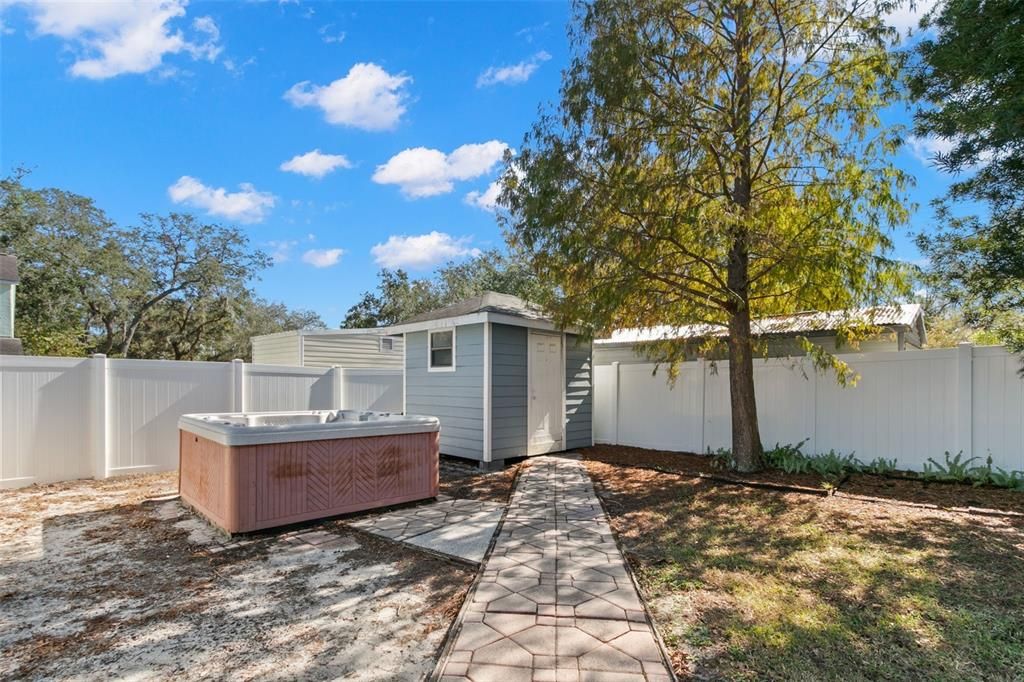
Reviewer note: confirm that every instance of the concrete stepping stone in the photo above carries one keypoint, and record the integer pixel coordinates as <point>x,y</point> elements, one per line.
<point>554,600</point>
<point>458,528</point>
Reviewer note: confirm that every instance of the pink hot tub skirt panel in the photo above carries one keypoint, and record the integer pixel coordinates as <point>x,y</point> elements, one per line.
<point>252,487</point>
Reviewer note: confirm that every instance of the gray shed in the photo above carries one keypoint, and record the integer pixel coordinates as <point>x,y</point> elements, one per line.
<point>503,379</point>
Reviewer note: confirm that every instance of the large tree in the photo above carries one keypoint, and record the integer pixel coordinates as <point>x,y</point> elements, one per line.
<point>711,162</point>
<point>399,297</point>
<point>969,81</point>
<point>171,287</point>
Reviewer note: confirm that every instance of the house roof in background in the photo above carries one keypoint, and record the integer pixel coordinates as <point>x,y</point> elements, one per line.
<point>487,302</point>
<point>905,316</point>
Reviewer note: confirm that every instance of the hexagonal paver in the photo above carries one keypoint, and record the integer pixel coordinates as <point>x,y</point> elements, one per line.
<point>554,600</point>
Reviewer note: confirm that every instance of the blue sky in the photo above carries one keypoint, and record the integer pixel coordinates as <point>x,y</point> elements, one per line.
<point>341,137</point>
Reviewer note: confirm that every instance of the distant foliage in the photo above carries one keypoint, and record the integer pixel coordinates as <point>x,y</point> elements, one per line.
<point>399,297</point>
<point>169,287</point>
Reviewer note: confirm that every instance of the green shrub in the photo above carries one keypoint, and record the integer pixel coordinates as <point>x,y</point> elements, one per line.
<point>788,458</point>
<point>955,469</point>
<point>878,466</point>
<point>722,459</point>
<point>832,465</point>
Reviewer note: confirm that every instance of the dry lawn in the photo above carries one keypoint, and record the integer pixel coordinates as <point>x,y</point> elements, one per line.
<point>748,583</point>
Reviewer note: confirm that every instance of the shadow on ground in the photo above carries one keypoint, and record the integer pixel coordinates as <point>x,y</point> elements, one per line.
<point>122,587</point>
<point>749,583</point>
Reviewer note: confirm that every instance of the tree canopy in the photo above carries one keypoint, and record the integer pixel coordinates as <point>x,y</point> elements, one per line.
<point>710,162</point>
<point>170,287</point>
<point>398,297</point>
<point>969,81</point>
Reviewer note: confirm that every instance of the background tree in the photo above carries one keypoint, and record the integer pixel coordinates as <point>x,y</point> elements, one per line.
<point>398,297</point>
<point>711,162</point>
<point>969,81</point>
<point>172,287</point>
<point>178,260</point>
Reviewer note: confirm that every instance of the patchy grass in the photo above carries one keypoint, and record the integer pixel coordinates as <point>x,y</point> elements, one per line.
<point>747,583</point>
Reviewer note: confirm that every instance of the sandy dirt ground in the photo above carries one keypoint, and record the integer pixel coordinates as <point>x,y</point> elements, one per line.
<point>112,579</point>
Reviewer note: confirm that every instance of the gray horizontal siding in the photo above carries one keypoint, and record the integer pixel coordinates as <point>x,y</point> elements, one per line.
<point>349,350</point>
<point>508,391</point>
<point>579,393</point>
<point>456,398</point>
<point>276,350</point>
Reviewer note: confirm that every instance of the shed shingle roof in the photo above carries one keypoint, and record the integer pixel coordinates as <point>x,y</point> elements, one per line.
<point>487,302</point>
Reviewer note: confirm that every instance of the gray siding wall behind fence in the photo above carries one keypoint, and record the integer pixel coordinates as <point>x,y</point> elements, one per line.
<point>280,349</point>
<point>456,398</point>
<point>579,393</point>
<point>508,391</point>
<point>350,350</point>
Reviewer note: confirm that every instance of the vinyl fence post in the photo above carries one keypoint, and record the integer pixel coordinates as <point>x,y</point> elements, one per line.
<point>100,417</point>
<point>337,388</point>
<point>238,385</point>
<point>614,391</point>
<point>703,404</point>
<point>965,398</point>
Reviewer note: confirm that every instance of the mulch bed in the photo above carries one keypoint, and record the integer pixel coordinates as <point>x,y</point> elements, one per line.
<point>896,489</point>
<point>462,479</point>
<point>690,463</point>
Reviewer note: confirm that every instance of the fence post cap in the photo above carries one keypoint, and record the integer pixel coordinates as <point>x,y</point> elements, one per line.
<point>98,356</point>
<point>238,360</point>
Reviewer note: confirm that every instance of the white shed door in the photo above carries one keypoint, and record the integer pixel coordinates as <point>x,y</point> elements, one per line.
<point>546,420</point>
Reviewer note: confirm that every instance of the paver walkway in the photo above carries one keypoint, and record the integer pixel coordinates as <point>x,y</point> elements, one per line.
<point>461,528</point>
<point>555,601</point>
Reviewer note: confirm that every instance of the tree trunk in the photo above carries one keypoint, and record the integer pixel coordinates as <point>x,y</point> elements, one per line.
<point>746,435</point>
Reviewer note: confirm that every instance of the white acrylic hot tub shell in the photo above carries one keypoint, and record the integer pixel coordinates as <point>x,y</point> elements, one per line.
<point>254,428</point>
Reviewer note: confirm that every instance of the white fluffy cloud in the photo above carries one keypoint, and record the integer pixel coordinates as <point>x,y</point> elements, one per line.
<point>513,73</point>
<point>323,258</point>
<point>129,36</point>
<point>925,148</point>
<point>315,164</point>
<point>281,251</point>
<point>422,172</point>
<point>248,205</point>
<point>905,17</point>
<point>368,97</point>
<point>488,199</point>
<point>421,251</point>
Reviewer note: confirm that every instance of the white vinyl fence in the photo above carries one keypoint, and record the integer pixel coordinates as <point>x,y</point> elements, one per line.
<point>67,418</point>
<point>907,406</point>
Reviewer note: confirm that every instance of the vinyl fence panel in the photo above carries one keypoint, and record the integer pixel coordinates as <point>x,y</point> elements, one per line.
<point>908,406</point>
<point>67,418</point>
<point>45,425</point>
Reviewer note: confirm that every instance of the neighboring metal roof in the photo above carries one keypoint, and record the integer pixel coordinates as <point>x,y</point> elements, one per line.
<point>905,316</point>
<point>487,302</point>
<point>8,269</point>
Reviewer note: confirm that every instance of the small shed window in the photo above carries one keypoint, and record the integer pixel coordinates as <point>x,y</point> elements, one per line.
<point>441,351</point>
<point>387,344</point>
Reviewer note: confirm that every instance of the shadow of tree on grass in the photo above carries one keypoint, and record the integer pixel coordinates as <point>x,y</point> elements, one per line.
<point>753,584</point>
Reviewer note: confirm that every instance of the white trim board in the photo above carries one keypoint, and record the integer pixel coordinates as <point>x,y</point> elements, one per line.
<point>488,444</point>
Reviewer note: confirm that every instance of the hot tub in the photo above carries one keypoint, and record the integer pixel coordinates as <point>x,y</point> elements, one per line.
<point>258,470</point>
